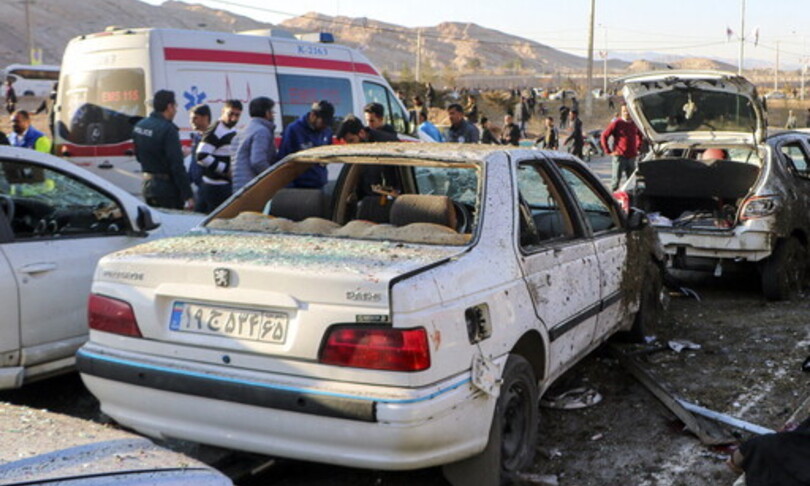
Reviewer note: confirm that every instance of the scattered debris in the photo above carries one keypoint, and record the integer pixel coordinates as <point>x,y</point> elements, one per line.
<point>549,453</point>
<point>679,345</point>
<point>708,432</point>
<point>725,419</point>
<point>598,436</point>
<point>575,398</point>
<point>538,479</point>
<point>806,364</point>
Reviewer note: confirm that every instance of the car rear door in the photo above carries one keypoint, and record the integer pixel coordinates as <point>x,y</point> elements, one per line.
<point>558,260</point>
<point>61,227</point>
<point>604,224</point>
<point>9,309</point>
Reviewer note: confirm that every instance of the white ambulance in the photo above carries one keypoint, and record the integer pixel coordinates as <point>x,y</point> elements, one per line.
<point>108,79</point>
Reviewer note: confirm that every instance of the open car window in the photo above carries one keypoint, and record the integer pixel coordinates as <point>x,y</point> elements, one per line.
<point>598,209</point>
<point>40,202</point>
<point>544,216</point>
<point>402,200</point>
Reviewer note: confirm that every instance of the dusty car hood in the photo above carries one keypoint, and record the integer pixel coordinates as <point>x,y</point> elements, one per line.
<point>695,106</point>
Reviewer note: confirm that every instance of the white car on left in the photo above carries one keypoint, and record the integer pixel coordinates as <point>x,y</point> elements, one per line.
<point>56,221</point>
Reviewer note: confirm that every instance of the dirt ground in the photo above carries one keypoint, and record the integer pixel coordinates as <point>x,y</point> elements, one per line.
<point>748,366</point>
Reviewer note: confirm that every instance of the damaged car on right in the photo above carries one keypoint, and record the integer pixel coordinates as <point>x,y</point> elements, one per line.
<point>716,186</point>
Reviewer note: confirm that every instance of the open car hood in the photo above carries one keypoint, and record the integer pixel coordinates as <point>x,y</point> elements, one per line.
<point>695,107</point>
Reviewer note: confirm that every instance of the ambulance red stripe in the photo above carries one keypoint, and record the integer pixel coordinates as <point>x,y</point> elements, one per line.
<point>240,57</point>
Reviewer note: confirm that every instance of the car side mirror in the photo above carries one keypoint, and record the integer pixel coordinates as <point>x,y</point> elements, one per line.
<point>637,219</point>
<point>144,220</point>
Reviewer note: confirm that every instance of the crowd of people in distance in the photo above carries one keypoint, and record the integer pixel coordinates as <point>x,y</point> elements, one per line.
<point>221,159</point>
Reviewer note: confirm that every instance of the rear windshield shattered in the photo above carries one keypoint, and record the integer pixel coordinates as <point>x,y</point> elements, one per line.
<point>695,110</point>
<point>428,203</point>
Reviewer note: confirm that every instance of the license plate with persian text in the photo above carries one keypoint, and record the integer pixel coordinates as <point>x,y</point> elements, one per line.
<point>245,324</point>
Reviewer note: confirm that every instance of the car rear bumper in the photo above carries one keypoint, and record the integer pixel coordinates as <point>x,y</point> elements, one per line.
<point>749,246</point>
<point>381,428</point>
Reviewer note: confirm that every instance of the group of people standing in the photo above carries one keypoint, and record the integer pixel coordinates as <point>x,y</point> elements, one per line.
<point>222,158</point>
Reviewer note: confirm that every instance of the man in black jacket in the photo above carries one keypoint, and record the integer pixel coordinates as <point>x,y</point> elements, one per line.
<point>157,148</point>
<point>510,135</point>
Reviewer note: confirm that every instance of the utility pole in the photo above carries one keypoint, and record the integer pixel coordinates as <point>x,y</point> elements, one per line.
<point>588,83</point>
<point>776,69</point>
<point>742,38</point>
<point>418,74</point>
<point>605,58</point>
<point>28,36</point>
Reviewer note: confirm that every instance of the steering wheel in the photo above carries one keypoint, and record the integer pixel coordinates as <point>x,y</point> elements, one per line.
<point>463,217</point>
<point>7,206</point>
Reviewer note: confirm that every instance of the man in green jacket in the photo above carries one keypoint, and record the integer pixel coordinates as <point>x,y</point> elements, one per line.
<point>157,148</point>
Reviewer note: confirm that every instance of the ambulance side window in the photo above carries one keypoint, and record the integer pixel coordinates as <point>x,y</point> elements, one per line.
<point>394,114</point>
<point>298,92</point>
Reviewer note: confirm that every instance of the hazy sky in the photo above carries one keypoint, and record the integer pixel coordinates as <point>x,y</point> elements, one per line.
<point>679,27</point>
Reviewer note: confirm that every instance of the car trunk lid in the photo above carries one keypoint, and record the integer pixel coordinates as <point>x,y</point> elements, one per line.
<point>261,294</point>
<point>696,107</point>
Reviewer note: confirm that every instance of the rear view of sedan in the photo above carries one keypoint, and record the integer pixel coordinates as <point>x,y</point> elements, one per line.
<point>406,315</point>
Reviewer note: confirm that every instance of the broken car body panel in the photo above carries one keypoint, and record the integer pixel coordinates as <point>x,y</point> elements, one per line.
<point>487,252</point>
<point>723,198</point>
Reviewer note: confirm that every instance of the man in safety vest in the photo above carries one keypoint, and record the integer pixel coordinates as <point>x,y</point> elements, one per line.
<point>26,136</point>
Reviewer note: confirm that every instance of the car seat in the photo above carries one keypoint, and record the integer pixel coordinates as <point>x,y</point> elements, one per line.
<point>418,208</point>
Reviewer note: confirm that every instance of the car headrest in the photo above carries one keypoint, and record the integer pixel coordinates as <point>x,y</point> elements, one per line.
<point>376,209</point>
<point>417,208</point>
<point>297,204</point>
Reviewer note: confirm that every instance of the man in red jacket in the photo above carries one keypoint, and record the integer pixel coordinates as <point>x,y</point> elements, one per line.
<point>627,141</point>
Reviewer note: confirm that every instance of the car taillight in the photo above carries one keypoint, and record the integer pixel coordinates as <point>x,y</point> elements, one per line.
<point>111,315</point>
<point>624,200</point>
<point>759,207</point>
<point>376,348</point>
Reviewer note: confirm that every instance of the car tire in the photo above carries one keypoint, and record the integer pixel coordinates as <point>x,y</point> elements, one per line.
<point>783,273</point>
<point>649,308</point>
<point>518,416</point>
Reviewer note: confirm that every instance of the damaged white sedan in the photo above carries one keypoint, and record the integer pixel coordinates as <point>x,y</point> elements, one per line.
<point>716,187</point>
<point>405,316</point>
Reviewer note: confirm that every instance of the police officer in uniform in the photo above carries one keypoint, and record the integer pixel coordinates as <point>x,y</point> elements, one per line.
<point>157,147</point>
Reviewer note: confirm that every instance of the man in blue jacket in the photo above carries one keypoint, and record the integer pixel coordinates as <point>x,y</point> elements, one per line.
<point>311,130</point>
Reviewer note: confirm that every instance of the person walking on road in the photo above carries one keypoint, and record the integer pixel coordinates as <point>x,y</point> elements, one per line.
<point>158,150</point>
<point>10,95</point>
<point>255,144</point>
<point>575,136</point>
<point>627,141</point>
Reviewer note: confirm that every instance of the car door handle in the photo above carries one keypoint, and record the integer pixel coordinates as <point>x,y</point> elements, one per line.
<point>34,268</point>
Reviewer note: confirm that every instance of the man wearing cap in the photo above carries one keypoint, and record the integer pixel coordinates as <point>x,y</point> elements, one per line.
<point>157,148</point>
<point>311,130</point>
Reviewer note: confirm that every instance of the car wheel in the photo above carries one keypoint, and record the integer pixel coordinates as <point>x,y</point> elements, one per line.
<point>650,309</point>
<point>517,414</point>
<point>783,273</point>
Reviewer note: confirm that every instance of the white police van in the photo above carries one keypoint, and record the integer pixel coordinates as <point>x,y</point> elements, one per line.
<point>108,79</point>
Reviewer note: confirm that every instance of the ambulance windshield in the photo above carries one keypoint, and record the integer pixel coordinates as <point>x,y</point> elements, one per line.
<point>100,107</point>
